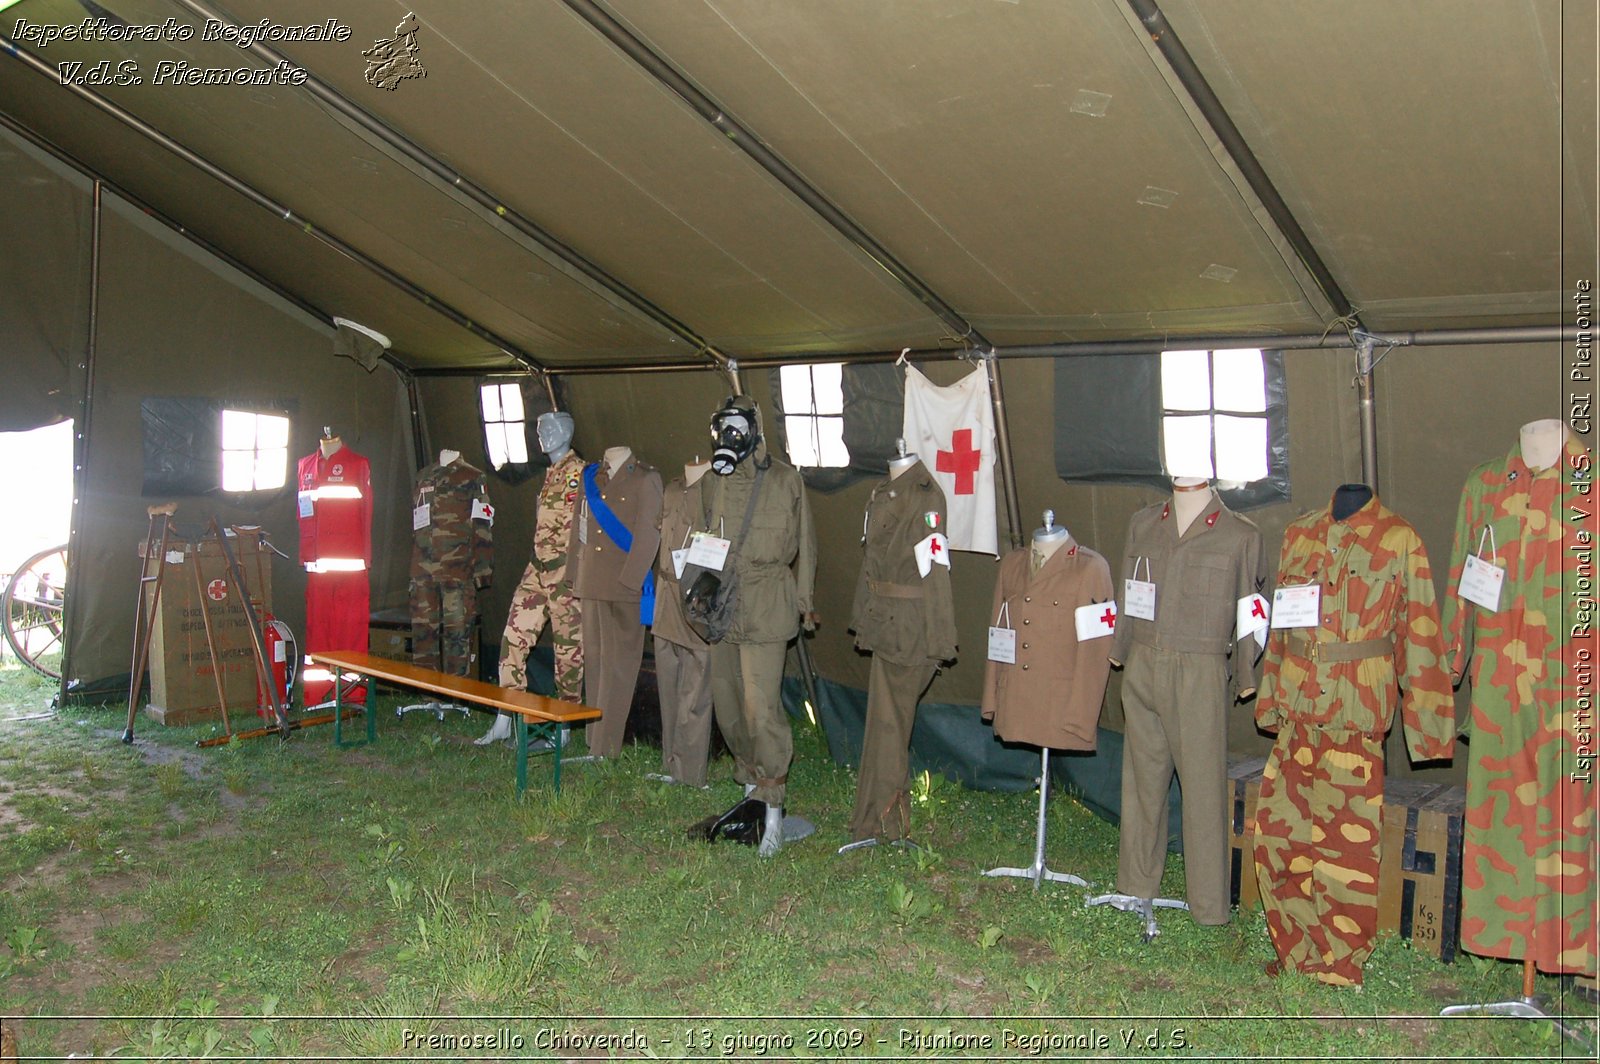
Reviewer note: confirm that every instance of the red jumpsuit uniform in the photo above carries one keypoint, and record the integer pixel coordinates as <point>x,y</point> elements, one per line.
<point>335,506</point>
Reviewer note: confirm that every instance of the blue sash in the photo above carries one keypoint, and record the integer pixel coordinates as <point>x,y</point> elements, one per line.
<point>618,533</point>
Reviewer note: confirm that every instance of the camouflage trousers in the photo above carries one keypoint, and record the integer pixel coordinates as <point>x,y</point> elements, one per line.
<point>1317,847</point>
<point>542,598</point>
<point>443,616</point>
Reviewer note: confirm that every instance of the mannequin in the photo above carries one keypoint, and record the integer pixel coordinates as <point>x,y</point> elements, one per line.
<point>683,659</point>
<point>1047,691</point>
<point>335,506</point>
<point>612,554</point>
<point>1348,499</point>
<point>902,461</point>
<point>1528,875</point>
<point>544,595</point>
<point>776,562</point>
<point>904,615</point>
<point>1189,561</point>
<point>448,456</point>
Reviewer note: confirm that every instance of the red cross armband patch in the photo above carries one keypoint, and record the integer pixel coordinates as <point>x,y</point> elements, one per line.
<point>1253,618</point>
<point>482,511</point>
<point>931,551</point>
<point>1095,621</point>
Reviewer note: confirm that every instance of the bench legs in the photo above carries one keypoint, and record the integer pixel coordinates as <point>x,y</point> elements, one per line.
<point>524,734</point>
<point>338,713</point>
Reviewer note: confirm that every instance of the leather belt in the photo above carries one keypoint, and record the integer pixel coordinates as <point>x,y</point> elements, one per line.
<point>1317,650</point>
<point>899,591</point>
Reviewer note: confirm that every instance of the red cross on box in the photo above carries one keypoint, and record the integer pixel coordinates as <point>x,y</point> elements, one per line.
<point>962,459</point>
<point>217,590</point>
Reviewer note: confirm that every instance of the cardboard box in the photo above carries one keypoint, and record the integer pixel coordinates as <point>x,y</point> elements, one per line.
<point>386,642</point>
<point>183,689</point>
<point>1419,870</point>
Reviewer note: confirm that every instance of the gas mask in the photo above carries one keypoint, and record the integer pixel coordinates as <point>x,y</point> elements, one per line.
<point>733,434</point>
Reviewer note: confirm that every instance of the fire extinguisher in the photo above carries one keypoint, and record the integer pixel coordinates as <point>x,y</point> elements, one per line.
<point>282,658</point>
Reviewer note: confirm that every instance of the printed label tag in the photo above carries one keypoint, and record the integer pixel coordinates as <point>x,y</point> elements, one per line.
<point>174,557</point>
<point>1139,599</point>
<point>307,504</point>
<point>708,551</point>
<point>421,517</point>
<point>1095,621</point>
<point>1003,645</point>
<point>1481,582</point>
<point>680,558</point>
<point>1299,606</point>
<point>280,651</point>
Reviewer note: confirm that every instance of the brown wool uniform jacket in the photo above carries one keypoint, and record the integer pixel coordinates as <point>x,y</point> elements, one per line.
<point>1200,578</point>
<point>1051,696</point>
<point>597,567</point>
<point>676,523</point>
<point>900,615</point>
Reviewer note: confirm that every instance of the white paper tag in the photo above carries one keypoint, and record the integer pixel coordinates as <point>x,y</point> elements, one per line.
<point>280,651</point>
<point>1251,618</point>
<point>1095,621</point>
<point>482,511</point>
<point>174,557</point>
<point>1298,606</point>
<point>679,559</point>
<point>708,551</point>
<point>1003,645</point>
<point>1139,599</point>
<point>308,504</point>
<point>421,517</point>
<point>1481,583</point>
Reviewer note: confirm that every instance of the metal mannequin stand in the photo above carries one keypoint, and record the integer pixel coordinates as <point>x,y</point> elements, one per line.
<point>1037,871</point>
<point>1144,907</point>
<point>1529,1006</point>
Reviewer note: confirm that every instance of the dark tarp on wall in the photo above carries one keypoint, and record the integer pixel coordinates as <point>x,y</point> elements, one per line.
<point>183,446</point>
<point>44,285</point>
<point>874,413</point>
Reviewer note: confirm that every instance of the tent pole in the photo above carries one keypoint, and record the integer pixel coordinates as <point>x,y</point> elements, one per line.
<point>80,449</point>
<point>1367,391</point>
<point>261,200</point>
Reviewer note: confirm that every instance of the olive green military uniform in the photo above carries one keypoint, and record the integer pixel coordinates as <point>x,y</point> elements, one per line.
<point>1176,691</point>
<point>907,620</point>
<point>777,564</point>
<point>683,660</point>
<point>452,558</point>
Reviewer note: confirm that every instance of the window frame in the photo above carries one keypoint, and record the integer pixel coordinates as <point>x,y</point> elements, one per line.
<point>1211,411</point>
<point>256,450</point>
<point>813,416</point>
<point>535,402</point>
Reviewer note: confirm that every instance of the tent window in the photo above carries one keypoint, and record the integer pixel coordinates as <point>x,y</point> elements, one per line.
<point>813,415</point>
<point>505,424</point>
<point>1214,416</point>
<point>255,451</point>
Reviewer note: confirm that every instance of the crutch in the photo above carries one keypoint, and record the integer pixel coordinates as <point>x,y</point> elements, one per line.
<point>263,666</point>
<point>211,646</point>
<point>144,618</point>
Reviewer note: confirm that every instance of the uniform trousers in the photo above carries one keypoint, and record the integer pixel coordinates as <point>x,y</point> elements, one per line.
<point>542,598</point>
<point>883,807</point>
<point>442,616</point>
<point>1316,849</point>
<point>338,612</point>
<point>746,692</point>
<point>613,643</point>
<point>683,677</point>
<point>1176,709</point>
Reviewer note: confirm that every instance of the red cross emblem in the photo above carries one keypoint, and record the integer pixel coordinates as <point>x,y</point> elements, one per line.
<point>1109,618</point>
<point>933,548</point>
<point>217,590</point>
<point>1256,609</point>
<point>962,460</point>
<point>338,470</point>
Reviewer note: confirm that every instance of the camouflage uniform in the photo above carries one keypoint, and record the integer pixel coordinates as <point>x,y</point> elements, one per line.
<point>1528,879</point>
<point>545,593</point>
<point>1328,692</point>
<point>452,557</point>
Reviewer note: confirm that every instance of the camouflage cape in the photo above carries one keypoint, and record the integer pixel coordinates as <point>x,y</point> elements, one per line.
<point>1329,694</point>
<point>544,595</point>
<point>452,556</point>
<point>1528,868</point>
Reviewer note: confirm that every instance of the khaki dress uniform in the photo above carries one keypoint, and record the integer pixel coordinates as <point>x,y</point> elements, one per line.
<point>544,595</point>
<point>683,659</point>
<point>907,621</point>
<point>777,567</point>
<point>1176,690</point>
<point>1051,695</point>
<point>608,582</point>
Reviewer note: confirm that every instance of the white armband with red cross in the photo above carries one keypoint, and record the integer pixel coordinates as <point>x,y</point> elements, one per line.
<point>931,550</point>
<point>1253,618</point>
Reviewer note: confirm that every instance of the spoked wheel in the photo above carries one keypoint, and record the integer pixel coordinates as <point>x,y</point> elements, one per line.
<point>32,607</point>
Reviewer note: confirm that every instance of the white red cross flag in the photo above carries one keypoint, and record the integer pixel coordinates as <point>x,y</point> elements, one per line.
<point>951,430</point>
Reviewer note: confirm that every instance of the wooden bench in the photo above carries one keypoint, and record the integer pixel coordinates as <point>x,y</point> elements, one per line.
<point>537,716</point>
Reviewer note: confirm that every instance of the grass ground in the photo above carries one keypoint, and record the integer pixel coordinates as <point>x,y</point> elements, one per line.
<point>277,901</point>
